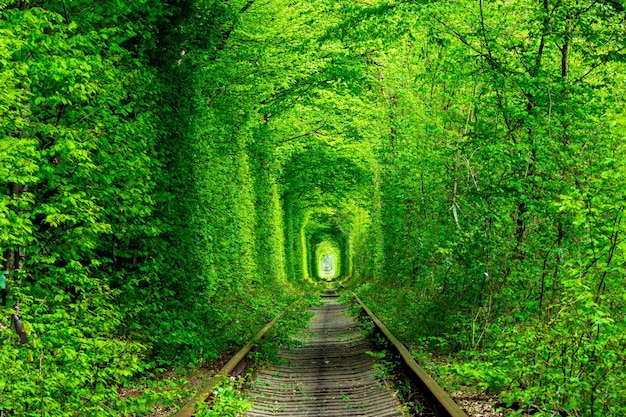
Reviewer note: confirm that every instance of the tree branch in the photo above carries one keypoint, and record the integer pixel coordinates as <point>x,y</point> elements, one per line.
<point>312,132</point>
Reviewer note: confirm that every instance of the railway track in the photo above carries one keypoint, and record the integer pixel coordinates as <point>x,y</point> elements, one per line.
<point>330,373</point>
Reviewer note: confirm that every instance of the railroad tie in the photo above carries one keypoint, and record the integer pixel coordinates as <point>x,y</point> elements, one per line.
<point>330,374</point>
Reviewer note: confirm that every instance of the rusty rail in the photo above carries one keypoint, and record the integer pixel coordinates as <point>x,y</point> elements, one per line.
<point>442,401</point>
<point>189,409</point>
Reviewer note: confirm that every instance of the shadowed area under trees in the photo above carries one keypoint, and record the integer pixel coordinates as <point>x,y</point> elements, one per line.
<point>171,168</point>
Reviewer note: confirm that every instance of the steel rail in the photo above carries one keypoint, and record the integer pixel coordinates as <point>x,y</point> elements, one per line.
<point>438,395</point>
<point>189,409</point>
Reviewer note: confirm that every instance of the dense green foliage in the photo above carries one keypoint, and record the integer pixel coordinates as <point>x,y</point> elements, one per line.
<point>129,210</point>
<point>503,196</point>
<point>173,171</point>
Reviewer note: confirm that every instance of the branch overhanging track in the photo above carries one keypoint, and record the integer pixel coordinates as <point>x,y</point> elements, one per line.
<point>330,374</point>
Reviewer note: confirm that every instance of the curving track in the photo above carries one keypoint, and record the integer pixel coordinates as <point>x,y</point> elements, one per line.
<point>329,375</point>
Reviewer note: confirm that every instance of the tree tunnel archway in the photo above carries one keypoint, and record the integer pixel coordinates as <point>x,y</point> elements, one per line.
<point>325,237</point>
<point>326,195</point>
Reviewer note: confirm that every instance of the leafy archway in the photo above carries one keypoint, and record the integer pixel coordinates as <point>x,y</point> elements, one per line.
<point>322,186</point>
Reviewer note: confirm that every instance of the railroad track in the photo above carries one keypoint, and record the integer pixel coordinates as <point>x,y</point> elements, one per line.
<point>331,374</point>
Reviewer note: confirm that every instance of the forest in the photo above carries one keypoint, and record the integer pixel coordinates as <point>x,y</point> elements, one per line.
<point>175,171</point>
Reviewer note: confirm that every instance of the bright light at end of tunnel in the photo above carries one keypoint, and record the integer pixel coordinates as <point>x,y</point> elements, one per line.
<point>328,262</point>
<point>328,268</point>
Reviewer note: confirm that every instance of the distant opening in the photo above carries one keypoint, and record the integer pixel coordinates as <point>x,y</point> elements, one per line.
<point>328,268</point>
<point>327,261</point>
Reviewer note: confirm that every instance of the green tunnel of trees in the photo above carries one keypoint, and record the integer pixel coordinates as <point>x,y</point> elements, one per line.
<point>170,168</point>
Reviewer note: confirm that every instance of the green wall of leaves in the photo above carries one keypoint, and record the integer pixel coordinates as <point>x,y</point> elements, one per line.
<point>138,219</point>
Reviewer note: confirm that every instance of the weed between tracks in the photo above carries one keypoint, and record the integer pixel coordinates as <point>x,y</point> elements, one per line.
<point>285,334</point>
